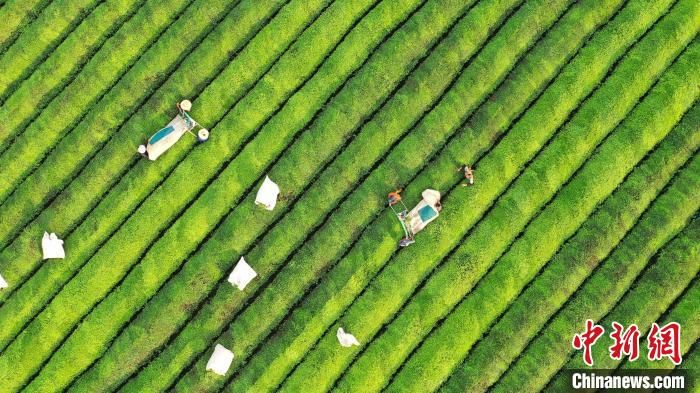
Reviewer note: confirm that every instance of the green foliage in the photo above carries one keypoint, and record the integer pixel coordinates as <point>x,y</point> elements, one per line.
<point>511,213</point>
<point>654,291</point>
<point>684,311</point>
<point>560,218</point>
<point>69,208</point>
<point>296,169</point>
<point>15,15</point>
<point>38,41</point>
<point>100,274</point>
<point>84,241</point>
<point>591,244</point>
<point>77,101</point>
<point>564,106</point>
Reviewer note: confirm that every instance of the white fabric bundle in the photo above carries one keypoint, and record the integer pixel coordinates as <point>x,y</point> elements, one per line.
<point>220,360</point>
<point>346,339</point>
<point>52,246</point>
<point>267,194</point>
<point>242,274</point>
<point>3,283</point>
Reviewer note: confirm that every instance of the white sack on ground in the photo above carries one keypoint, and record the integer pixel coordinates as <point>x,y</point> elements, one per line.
<point>52,246</point>
<point>3,283</point>
<point>242,274</point>
<point>267,194</point>
<point>220,360</point>
<point>346,339</point>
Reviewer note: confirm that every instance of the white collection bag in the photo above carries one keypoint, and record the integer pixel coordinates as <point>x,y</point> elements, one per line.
<point>267,194</point>
<point>220,360</point>
<point>3,283</point>
<point>52,246</point>
<point>242,274</point>
<point>346,339</point>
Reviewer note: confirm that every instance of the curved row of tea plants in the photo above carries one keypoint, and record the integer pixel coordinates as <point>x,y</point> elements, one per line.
<point>73,150</point>
<point>684,312</point>
<point>598,293</point>
<point>39,289</point>
<point>15,14</point>
<point>569,209</point>
<point>581,118</point>
<point>394,287</point>
<point>419,140</point>
<point>44,283</point>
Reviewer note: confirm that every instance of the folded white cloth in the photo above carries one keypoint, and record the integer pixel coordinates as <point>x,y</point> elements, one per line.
<point>3,283</point>
<point>267,194</point>
<point>242,274</point>
<point>220,360</point>
<point>346,339</point>
<point>52,246</point>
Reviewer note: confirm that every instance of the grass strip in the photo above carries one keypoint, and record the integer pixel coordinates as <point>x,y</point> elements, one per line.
<point>25,94</point>
<point>16,15</point>
<point>616,273</point>
<point>592,243</point>
<point>393,287</point>
<point>269,367</point>
<point>56,21</point>
<point>298,170</point>
<point>647,296</point>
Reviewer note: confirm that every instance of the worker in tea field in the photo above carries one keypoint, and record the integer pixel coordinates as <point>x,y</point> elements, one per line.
<point>468,174</point>
<point>394,197</point>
